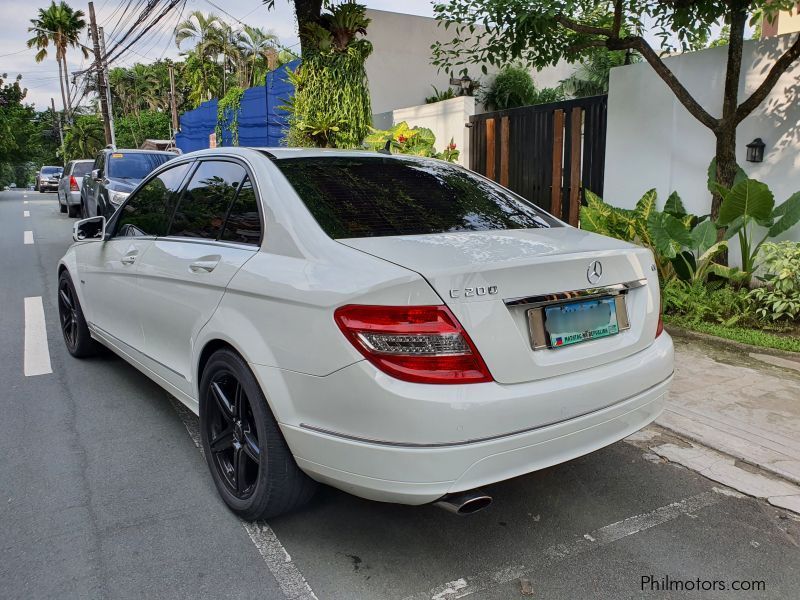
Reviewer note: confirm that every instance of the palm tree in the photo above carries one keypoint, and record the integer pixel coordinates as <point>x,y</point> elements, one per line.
<point>60,25</point>
<point>204,31</point>
<point>258,46</point>
<point>84,138</point>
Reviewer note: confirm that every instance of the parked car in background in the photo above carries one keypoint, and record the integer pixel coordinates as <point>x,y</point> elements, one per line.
<point>114,175</point>
<point>69,187</point>
<point>47,179</point>
<point>397,327</point>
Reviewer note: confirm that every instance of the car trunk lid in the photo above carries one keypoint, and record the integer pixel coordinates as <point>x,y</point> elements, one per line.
<point>491,280</point>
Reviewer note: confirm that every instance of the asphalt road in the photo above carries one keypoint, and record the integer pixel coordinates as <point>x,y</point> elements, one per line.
<point>104,494</point>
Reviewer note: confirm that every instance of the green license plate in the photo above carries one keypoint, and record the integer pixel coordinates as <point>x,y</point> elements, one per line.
<point>576,322</point>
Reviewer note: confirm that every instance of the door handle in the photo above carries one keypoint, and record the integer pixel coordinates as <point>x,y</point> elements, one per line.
<point>203,266</point>
<point>128,259</point>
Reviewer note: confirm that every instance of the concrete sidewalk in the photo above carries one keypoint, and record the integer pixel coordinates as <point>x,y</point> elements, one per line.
<point>743,409</point>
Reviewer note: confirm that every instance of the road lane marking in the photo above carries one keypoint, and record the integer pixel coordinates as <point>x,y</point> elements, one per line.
<point>28,237</point>
<point>26,213</point>
<point>291,581</point>
<point>465,586</point>
<point>37,352</point>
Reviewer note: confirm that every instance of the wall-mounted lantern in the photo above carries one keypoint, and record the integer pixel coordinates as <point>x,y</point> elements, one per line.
<point>465,84</point>
<point>755,150</point>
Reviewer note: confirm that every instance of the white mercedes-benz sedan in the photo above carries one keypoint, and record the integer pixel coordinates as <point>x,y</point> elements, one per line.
<point>397,327</point>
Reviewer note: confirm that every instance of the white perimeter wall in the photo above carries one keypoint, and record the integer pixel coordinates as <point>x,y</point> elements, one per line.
<point>653,141</point>
<point>446,119</point>
<point>400,71</point>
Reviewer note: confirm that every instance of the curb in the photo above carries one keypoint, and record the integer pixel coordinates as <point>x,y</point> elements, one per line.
<point>682,332</point>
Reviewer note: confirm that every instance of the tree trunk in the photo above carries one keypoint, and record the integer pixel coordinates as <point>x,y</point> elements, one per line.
<point>306,11</point>
<point>61,81</point>
<point>66,86</point>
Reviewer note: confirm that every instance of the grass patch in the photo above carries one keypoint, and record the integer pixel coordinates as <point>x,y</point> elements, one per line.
<point>754,337</point>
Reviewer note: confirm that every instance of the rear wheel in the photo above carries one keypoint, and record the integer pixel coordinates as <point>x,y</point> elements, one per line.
<point>62,207</point>
<point>73,325</point>
<point>253,468</point>
<point>73,210</point>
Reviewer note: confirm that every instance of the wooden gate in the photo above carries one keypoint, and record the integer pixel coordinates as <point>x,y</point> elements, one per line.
<point>546,153</point>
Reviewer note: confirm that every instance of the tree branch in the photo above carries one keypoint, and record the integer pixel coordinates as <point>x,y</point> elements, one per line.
<point>733,67</point>
<point>761,92</point>
<point>581,28</point>
<point>661,69</point>
<point>583,46</point>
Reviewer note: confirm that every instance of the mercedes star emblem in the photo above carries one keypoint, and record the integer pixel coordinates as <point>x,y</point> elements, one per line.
<point>595,271</point>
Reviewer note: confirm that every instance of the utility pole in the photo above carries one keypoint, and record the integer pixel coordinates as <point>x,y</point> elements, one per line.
<point>108,87</point>
<point>58,124</point>
<point>101,80</point>
<point>172,100</point>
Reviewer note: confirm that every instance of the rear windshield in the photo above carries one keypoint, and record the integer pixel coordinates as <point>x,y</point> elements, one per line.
<point>81,169</point>
<point>134,165</point>
<point>372,196</point>
<point>51,170</point>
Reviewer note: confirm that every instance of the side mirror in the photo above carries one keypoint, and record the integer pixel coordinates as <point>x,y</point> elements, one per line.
<point>97,175</point>
<point>92,229</point>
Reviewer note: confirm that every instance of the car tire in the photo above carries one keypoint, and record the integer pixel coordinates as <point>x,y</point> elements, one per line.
<point>236,427</point>
<point>73,210</point>
<point>62,207</point>
<point>73,324</point>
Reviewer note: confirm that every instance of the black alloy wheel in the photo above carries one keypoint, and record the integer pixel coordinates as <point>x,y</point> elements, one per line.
<point>232,435</point>
<point>253,468</point>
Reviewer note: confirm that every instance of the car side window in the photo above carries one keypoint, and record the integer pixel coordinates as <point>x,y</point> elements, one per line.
<point>148,211</point>
<point>99,162</point>
<point>243,224</point>
<point>204,205</point>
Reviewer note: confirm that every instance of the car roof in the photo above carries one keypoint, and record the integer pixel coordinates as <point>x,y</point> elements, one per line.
<point>282,152</point>
<point>138,151</point>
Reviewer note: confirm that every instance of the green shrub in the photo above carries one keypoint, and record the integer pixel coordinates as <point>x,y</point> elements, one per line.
<point>439,95</point>
<point>710,302</point>
<point>402,139</point>
<point>780,297</point>
<point>512,87</point>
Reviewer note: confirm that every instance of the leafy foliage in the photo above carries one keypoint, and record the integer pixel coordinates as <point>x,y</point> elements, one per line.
<point>513,86</point>
<point>84,138</point>
<point>132,130</point>
<point>229,108</point>
<point>780,297</point>
<point>331,91</point>
<point>710,302</point>
<point>439,95</point>
<point>402,139</point>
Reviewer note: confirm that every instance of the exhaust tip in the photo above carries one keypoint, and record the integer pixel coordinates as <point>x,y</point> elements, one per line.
<point>464,503</point>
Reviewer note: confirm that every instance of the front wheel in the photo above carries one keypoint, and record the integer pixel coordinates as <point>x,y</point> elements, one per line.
<point>252,467</point>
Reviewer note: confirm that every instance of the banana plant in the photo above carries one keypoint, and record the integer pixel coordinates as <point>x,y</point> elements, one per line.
<point>748,205</point>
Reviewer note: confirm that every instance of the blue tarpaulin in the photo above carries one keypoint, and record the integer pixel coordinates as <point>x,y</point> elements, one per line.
<point>261,121</point>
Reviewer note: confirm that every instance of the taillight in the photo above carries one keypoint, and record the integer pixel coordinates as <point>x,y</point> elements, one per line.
<point>660,326</point>
<point>421,344</point>
<point>73,184</point>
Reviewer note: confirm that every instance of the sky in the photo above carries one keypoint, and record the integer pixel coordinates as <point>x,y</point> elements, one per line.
<point>42,79</point>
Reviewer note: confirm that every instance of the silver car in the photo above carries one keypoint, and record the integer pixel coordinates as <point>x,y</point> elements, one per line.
<point>69,187</point>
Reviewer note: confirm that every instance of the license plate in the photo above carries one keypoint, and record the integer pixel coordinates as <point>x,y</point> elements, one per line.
<point>576,322</point>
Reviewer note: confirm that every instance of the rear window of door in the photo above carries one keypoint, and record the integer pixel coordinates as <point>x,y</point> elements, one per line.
<point>204,206</point>
<point>148,211</point>
<point>373,196</point>
<point>81,169</point>
<point>243,224</point>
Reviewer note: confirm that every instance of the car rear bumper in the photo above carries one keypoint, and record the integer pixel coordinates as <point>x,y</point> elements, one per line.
<point>73,198</point>
<point>416,466</point>
<point>422,475</point>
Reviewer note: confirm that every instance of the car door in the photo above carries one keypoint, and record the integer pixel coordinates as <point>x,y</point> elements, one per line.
<point>108,271</point>
<point>215,230</point>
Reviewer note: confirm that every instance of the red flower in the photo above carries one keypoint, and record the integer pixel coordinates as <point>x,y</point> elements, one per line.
<point>452,146</point>
<point>401,138</point>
